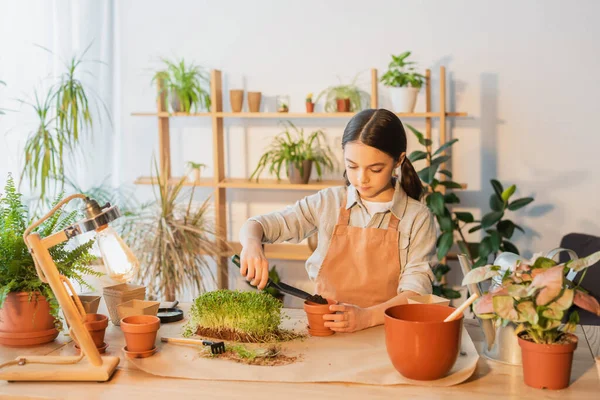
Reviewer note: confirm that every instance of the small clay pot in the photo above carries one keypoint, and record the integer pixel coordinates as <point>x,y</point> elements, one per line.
<point>316,323</point>
<point>547,366</point>
<point>254,99</point>
<point>343,105</point>
<point>140,332</point>
<point>96,325</point>
<point>310,107</point>
<point>419,343</point>
<point>236,98</point>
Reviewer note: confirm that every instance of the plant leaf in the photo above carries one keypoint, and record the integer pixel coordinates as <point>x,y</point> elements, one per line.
<point>491,218</point>
<point>480,274</point>
<point>508,192</point>
<point>583,263</point>
<point>527,312</point>
<point>435,202</point>
<point>504,307</point>
<point>451,185</point>
<point>586,302</point>
<point>520,203</point>
<point>444,243</point>
<point>464,216</point>
<point>446,172</point>
<point>417,155</point>
<point>451,198</point>
<point>506,228</point>
<point>445,146</point>
<point>475,228</point>
<point>508,246</point>
<point>497,188</point>
<point>496,204</point>
<point>484,305</point>
<point>549,283</point>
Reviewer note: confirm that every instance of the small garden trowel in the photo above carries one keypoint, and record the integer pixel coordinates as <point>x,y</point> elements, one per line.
<point>287,288</point>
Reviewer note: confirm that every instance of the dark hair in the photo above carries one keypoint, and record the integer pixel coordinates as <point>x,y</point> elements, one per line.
<point>383,130</point>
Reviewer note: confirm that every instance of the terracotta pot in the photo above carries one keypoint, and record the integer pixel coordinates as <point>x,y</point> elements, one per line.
<point>236,99</point>
<point>419,343</point>
<point>254,99</point>
<point>316,323</point>
<point>343,105</point>
<point>96,325</point>
<point>547,366</point>
<point>294,172</point>
<point>140,332</point>
<point>24,322</point>
<point>310,107</point>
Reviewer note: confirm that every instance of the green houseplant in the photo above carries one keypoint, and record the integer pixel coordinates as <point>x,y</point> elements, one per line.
<point>344,98</point>
<point>403,82</point>
<point>19,282</point>
<point>296,152</point>
<point>536,296</point>
<point>174,240</point>
<point>184,85</point>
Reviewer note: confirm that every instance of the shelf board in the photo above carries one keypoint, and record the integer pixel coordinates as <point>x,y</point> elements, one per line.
<point>296,252</point>
<point>242,183</point>
<point>288,115</point>
<point>146,180</point>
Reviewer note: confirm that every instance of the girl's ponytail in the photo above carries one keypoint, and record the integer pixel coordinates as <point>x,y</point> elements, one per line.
<point>410,181</point>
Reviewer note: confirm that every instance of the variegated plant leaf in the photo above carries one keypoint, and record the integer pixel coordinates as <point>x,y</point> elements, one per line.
<point>553,313</point>
<point>517,290</point>
<point>583,263</point>
<point>486,316</point>
<point>587,302</point>
<point>481,274</point>
<point>564,301</point>
<point>551,324</point>
<point>549,283</point>
<point>527,312</point>
<point>484,305</point>
<point>504,307</point>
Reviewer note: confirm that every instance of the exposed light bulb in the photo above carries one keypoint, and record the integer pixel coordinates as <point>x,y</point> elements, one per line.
<point>120,262</point>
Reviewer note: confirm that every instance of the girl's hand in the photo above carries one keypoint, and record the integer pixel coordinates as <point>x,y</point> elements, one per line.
<point>348,318</point>
<point>254,265</point>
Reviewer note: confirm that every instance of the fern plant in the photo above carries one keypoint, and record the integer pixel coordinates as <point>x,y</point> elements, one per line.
<point>17,270</point>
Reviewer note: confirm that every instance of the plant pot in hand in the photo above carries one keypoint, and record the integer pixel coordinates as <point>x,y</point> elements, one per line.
<point>297,175</point>
<point>547,366</point>
<point>140,332</point>
<point>254,99</point>
<point>343,105</point>
<point>236,99</point>
<point>24,322</point>
<point>316,323</point>
<point>419,343</point>
<point>404,98</point>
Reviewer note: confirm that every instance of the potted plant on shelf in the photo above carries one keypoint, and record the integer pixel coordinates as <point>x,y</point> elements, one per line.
<point>536,296</point>
<point>174,240</point>
<point>404,82</point>
<point>184,86</point>
<point>283,104</point>
<point>28,308</point>
<point>196,167</point>
<point>297,153</point>
<point>310,106</point>
<point>344,98</point>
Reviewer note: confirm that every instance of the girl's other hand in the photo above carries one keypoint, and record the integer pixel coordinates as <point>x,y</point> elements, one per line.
<point>348,318</point>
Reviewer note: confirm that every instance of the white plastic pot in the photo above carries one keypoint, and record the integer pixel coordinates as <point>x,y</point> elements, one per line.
<point>404,98</point>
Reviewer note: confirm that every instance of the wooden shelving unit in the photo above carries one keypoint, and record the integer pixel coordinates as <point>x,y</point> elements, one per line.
<point>221,184</point>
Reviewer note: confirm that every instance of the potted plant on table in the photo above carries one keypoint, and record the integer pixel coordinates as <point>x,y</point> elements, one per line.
<point>28,308</point>
<point>184,85</point>
<point>536,296</point>
<point>404,82</point>
<point>344,98</point>
<point>297,153</point>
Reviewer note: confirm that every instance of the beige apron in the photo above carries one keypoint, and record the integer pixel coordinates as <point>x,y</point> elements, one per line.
<point>362,265</point>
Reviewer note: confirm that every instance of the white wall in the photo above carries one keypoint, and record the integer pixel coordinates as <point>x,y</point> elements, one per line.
<point>525,71</point>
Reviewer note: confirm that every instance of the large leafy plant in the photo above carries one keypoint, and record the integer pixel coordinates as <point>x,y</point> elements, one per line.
<point>499,230</point>
<point>536,296</point>
<point>184,84</point>
<point>402,73</point>
<point>358,97</point>
<point>293,146</point>
<point>17,270</point>
<point>174,240</point>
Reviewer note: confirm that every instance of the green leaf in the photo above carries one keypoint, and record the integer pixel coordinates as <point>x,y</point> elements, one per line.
<point>495,240</point>
<point>446,223</point>
<point>475,228</point>
<point>435,202</point>
<point>420,137</point>
<point>443,244</point>
<point>446,172</point>
<point>451,198</point>
<point>464,217</point>
<point>543,262</point>
<point>480,262</point>
<point>527,312</point>
<point>417,155</point>
<point>451,185</point>
<point>506,228</point>
<point>497,188</point>
<point>519,228</point>
<point>445,146</point>
<point>440,270</point>
<point>485,247</point>
<point>508,192</point>
<point>520,203</point>
<point>428,173</point>
<point>450,293</point>
<point>440,160</point>
<point>496,204</point>
<point>491,218</point>
<point>508,246</point>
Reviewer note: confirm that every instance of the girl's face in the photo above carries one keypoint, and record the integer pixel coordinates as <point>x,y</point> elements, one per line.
<point>369,170</point>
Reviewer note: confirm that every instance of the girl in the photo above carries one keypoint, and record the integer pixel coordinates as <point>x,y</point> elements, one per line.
<point>376,240</point>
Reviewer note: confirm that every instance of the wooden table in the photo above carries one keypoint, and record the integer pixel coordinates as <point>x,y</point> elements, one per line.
<point>491,380</point>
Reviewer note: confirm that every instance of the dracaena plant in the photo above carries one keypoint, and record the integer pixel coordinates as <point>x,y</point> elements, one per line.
<point>535,295</point>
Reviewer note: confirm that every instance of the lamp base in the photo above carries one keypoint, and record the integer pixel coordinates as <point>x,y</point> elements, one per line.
<point>81,371</point>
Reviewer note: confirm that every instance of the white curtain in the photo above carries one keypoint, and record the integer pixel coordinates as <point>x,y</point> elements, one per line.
<point>66,28</point>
